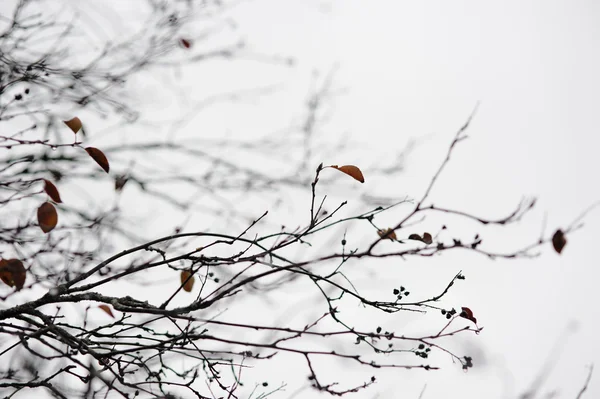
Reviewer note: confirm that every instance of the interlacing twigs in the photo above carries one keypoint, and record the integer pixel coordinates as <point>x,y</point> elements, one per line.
<point>133,349</point>
<point>68,328</point>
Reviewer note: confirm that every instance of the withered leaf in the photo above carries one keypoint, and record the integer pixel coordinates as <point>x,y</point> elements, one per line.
<point>387,233</point>
<point>415,237</point>
<point>13,273</point>
<point>185,43</point>
<point>47,217</point>
<point>99,157</point>
<point>120,182</point>
<point>559,241</point>
<point>52,191</point>
<point>187,280</point>
<point>74,124</point>
<point>107,310</point>
<point>351,170</point>
<point>427,238</point>
<point>468,314</point>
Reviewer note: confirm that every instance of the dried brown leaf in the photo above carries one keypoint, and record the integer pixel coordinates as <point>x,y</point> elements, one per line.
<point>351,170</point>
<point>120,182</point>
<point>187,280</point>
<point>47,217</point>
<point>559,241</point>
<point>468,314</point>
<point>185,43</point>
<point>427,238</point>
<point>74,124</point>
<point>107,310</point>
<point>52,191</point>
<point>387,233</point>
<point>415,237</point>
<point>99,157</point>
<point>13,273</point>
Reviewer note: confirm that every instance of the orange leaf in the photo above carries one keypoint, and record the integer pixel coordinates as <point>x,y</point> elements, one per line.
<point>74,124</point>
<point>13,273</point>
<point>351,170</point>
<point>47,217</point>
<point>427,238</point>
<point>99,157</point>
<point>468,314</point>
<point>185,43</point>
<point>107,310</point>
<point>187,280</point>
<point>52,191</point>
<point>559,241</point>
<point>387,233</point>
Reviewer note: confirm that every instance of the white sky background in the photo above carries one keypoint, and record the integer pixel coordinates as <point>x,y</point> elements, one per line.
<point>408,69</point>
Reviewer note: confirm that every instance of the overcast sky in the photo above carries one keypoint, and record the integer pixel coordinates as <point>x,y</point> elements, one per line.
<point>415,70</point>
